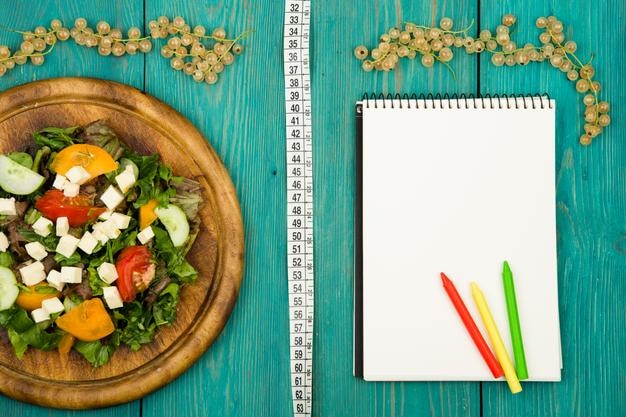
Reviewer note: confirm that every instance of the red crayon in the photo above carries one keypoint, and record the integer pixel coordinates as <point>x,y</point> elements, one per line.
<point>470,325</point>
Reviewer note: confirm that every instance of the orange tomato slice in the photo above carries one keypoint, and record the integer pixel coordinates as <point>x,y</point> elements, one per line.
<point>94,159</point>
<point>88,321</point>
<point>147,215</point>
<point>31,300</point>
<point>65,345</point>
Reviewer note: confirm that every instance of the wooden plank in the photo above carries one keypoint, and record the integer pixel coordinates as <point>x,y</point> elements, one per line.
<point>591,201</point>
<point>71,60</point>
<point>245,372</point>
<point>340,81</point>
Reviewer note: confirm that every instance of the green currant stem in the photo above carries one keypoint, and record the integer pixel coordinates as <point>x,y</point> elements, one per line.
<point>503,52</point>
<point>232,44</point>
<point>99,35</point>
<point>580,64</point>
<point>595,95</point>
<point>29,33</point>
<point>570,61</point>
<point>184,32</point>
<point>16,31</point>
<point>227,50</point>
<point>30,55</point>
<point>589,79</point>
<point>386,54</point>
<point>464,31</point>
<point>446,65</point>
<point>381,58</point>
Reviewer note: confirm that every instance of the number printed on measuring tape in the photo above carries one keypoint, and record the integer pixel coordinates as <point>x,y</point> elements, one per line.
<point>299,146</point>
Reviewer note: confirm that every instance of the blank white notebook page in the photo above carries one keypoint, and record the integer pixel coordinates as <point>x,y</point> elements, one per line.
<point>457,190</point>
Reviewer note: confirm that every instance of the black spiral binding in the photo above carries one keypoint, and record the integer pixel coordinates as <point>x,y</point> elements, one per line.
<point>456,101</point>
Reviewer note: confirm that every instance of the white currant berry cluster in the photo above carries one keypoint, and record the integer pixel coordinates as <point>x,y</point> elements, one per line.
<point>198,54</point>
<point>436,44</point>
<point>188,49</point>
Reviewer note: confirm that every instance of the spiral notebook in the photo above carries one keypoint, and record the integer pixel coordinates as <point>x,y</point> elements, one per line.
<point>455,185</point>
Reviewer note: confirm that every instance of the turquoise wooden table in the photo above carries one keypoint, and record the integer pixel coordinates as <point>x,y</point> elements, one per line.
<point>245,373</point>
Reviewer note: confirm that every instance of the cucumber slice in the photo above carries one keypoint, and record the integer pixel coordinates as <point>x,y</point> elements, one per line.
<point>124,162</point>
<point>8,288</point>
<point>175,222</point>
<point>17,179</point>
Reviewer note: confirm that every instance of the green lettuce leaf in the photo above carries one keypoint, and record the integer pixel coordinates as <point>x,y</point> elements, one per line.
<point>65,261</point>
<point>153,180</point>
<point>100,134</point>
<point>57,138</point>
<point>177,266</point>
<point>164,310</point>
<point>135,325</point>
<point>95,282</point>
<point>23,332</point>
<point>6,259</point>
<point>49,242</point>
<point>22,158</point>
<point>96,353</point>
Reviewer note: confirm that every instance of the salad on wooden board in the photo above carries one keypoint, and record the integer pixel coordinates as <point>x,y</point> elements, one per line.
<point>93,243</point>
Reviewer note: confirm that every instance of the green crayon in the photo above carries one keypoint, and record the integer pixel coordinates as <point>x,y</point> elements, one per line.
<point>516,331</point>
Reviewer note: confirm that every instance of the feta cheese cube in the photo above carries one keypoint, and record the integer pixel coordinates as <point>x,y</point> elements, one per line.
<point>63,226</point>
<point>67,245</point>
<point>33,273</point>
<point>52,305</point>
<point>7,206</point>
<point>71,274</point>
<point>54,279</point>
<point>36,250</point>
<point>111,197</point>
<point>71,189</point>
<point>110,229</point>
<point>145,235</point>
<point>106,215</point>
<point>126,179</point>
<point>59,182</point>
<point>87,243</point>
<point>77,175</point>
<point>112,297</point>
<point>40,315</point>
<point>121,221</point>
<point>98,234</point>
<point>42,226</point>
<point>4,242</point>
<point>107,272</point>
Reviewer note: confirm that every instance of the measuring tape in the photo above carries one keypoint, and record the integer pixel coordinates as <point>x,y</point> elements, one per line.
<point>299,202</point>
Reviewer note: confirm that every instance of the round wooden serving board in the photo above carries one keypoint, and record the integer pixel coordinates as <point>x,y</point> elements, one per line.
<point>148,126</point>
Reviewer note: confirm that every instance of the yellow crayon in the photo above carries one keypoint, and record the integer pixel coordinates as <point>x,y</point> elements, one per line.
<point>496,339</point>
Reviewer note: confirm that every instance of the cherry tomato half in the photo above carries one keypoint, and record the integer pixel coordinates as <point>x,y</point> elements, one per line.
<point>53,204</point>
<point>135,271</point>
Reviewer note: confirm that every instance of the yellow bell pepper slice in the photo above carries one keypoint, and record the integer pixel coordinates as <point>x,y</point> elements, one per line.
<point>147,215</point>
<point>29,299</point>
<point>88,321</point>
<point>94,159</point>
